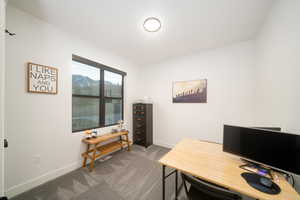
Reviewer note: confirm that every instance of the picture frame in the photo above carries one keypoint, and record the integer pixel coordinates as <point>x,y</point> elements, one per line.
<point>42,79</point>
<point>194,91</point>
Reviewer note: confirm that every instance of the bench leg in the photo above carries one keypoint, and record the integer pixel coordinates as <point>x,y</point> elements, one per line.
<point>94,158</point>
<point>85,157</point>
<point>121,139</point>
<point>128,143</point>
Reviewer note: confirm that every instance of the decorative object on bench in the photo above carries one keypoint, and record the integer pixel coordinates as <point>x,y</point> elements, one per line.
<point>94,133</point>
<point>121,125</point>
<point>88,134</point>
<point>42,79</point>
<point>95,149</point>
<point>91,134</point>
<point>114,130</point>
<point>190,91</point>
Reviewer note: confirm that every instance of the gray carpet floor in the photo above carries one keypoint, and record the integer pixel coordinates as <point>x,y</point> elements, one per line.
<point>134,175</point>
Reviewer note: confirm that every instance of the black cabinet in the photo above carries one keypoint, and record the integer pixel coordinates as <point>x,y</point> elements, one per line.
<point>142,124</point>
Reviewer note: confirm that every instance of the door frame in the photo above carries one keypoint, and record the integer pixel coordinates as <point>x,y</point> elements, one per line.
<point>2,98</point>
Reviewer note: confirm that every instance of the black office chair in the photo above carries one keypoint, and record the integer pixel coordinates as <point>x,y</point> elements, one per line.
<point>202,190</point>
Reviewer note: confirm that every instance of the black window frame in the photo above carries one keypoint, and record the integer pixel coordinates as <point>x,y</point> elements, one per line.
<point>101,96</point>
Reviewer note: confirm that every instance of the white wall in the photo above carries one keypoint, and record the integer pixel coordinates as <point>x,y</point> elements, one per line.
<point>279,67</point>
<point>278,88</point>
<point>42,145</point>
<point>230,73</point>
<point>2,71</point>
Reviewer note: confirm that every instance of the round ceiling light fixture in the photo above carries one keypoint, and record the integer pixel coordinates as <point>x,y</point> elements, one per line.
<point>152,24</point>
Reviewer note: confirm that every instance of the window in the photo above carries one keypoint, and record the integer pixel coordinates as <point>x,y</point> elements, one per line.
<point>97,99</point>
<point>113,92</point>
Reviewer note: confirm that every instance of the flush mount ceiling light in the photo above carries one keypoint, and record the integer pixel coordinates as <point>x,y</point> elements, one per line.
<point>152,24</point>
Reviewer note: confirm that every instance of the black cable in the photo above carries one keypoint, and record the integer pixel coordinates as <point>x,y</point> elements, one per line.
<point>288,177</point>
<point>293,180</point>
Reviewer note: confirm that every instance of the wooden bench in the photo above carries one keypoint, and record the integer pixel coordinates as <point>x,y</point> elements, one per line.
<point>95,150</point>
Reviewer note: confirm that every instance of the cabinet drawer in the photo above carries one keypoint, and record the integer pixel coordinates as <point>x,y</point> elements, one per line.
<point>138,113</point>
<point>138,131</point>
<point>139,119</point>
<point>139,125</point>
<point>139,108</point>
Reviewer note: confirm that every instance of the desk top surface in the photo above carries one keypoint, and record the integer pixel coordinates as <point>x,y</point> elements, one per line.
<point>104,137</point>
<point>208,161</point>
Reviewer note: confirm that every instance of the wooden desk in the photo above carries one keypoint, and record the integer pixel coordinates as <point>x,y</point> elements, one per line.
<point>93,146</point>
<point>208,161</point>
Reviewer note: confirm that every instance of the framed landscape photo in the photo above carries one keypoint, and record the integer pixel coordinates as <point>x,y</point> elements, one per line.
<point>42,79</point>
<point>190,91</point>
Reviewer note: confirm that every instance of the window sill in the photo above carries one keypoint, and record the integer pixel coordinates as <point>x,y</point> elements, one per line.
<point>106,126</point>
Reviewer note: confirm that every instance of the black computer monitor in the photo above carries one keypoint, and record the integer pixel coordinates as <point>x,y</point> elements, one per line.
<point>277,150</point>
<point>269,128</point>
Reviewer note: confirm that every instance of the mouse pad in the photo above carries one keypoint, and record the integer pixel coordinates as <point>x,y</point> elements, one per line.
<point>254,181</point>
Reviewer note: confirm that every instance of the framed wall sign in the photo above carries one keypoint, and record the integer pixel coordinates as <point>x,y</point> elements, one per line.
<point>190,91</point>
<point>42,79</point>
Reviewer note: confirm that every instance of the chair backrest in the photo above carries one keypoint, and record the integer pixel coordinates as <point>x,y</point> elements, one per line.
<point>209,189</point>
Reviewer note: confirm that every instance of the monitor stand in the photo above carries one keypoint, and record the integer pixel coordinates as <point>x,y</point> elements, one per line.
<point>261,183</point>
<point>256,165</point>
<point>256,168</point>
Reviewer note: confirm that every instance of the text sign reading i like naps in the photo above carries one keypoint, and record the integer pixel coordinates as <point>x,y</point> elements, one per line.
<point>42,79</point>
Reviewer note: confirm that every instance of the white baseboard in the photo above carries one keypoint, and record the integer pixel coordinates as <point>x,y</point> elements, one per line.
<point>163,144</point>
<point>30,184</point>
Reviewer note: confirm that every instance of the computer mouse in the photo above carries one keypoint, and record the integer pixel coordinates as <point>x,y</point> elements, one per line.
<point>266,182</point>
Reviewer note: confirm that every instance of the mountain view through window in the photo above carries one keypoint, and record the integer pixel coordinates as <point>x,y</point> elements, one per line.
<point>91,108</point>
